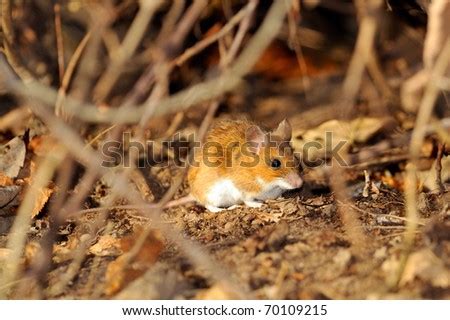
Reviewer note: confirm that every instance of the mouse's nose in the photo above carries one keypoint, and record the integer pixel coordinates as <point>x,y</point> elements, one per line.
<point>294,180</point>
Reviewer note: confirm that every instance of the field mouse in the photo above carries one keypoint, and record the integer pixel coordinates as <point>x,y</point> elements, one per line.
<point>241,163</point>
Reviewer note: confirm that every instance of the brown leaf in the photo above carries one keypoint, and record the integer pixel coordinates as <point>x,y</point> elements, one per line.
<point>12,157</point>
<point>107,245</point>
<point>42,197</point>
<point>9,197</point>
<point>129,267</point>
<point>42,145</point>
<point>332,133</point>
<point>5,180</point>
<point>425,265</point>
<point>32,250</point>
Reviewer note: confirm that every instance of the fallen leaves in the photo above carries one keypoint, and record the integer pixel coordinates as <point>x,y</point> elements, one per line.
<point>12,157</point>
<point>17,169</point>
<point>9,197</point>
<point>141,250</point>
<point>270,238</point>
<point>321,141</point>
<point>106,245</point>
<point>422,265</point>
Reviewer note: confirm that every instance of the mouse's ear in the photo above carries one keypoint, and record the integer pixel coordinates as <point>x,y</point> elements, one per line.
<point>284,130</point>
<point>255,138</point>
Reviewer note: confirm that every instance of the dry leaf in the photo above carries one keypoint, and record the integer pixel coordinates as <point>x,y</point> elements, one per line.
<point>106,245</point>
<point>12,157</point>
<point>42,145</point>
<point>115,275</point>
<point>268,217</point>
<point>32,249</point>
<point>158,282</point>
<point>42,197</point>
<point>321,140</point>
<point>65,252</point>
<point>427,178</point>
<point>9,197</point>
<point>127,268</point>
<point>425,265</point>
<point>5,180</point>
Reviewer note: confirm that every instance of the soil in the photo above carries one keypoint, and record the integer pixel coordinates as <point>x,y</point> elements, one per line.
<point>291,248</point>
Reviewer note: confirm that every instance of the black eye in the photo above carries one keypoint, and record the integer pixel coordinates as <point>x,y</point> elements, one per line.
<point>275,163</point>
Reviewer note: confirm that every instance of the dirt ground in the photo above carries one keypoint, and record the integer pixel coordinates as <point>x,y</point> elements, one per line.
<point>291,248</point>
<point>294,247</point>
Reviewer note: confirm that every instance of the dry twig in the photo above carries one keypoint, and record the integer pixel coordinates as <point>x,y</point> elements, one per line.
<point>18,234</point>
<point>187,98</point>
<point>127,48</point>
<point>363,51</point>
<point>418,134</point>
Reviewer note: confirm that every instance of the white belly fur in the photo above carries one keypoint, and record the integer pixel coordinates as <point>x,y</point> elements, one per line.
<point>271,190</point>
<point>224,194</point>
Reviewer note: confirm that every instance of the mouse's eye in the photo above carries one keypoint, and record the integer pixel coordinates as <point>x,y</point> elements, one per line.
<point>275,163</point>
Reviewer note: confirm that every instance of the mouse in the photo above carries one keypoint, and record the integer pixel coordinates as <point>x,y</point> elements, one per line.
<point>241,163</point>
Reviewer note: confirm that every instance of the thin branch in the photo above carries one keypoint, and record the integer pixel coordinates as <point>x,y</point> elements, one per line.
<point>368,11</point>
<point>92,160</point>
<point>242,31</point>
<point>347,214</point>
<point>8,31</point>
<point>127,48</point>
<point>43,262</point>
<point>183,100</point>
<point>65,81</point>
<point>59,40</point>
<point>13,57</point>
<point>418,135</point>
<point>438,167</point>
<point>185,25</point>
<point>18,234</point>
<point>170,20</point>
<point>294,39</point>
<point>157,208</point>
<point>201,45</point>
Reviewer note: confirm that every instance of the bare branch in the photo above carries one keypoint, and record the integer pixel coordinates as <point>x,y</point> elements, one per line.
<point>183,100</point>
<point>127,48</point>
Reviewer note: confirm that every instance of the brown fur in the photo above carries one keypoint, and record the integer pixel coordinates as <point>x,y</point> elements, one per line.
<point>230,161</point>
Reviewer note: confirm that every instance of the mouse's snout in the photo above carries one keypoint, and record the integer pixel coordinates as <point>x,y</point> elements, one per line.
<point>294,180</point>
